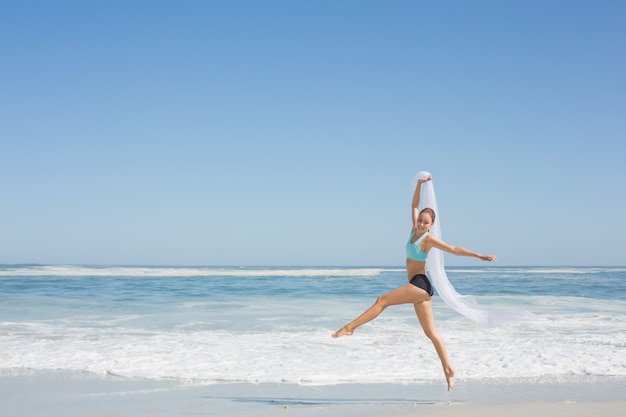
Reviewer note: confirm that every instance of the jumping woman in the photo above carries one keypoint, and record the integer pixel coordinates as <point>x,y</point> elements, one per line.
<point>419,290</point>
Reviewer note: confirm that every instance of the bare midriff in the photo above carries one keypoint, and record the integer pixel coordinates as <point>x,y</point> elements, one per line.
<point>414,268</point>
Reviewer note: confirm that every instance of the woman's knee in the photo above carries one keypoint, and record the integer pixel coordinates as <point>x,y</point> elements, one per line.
<point>381,301</point>
<point>431,334</point>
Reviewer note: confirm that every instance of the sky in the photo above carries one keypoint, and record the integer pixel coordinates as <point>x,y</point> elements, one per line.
<point>278,132</point>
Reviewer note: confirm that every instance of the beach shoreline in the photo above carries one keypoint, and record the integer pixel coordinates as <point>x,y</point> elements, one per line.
<point>203,342</point>
<point>52,394</point>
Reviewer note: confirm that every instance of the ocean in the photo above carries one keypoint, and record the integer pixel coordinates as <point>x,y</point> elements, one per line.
<point>210,325</point>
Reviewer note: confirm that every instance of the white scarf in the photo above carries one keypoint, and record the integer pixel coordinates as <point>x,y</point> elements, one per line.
<point>464,304</point>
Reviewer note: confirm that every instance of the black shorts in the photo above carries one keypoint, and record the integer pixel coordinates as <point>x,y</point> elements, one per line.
<point>421,281</point>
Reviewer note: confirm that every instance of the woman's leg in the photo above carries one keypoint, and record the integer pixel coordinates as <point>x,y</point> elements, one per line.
<point>424,313</point>
<point>408,293</point>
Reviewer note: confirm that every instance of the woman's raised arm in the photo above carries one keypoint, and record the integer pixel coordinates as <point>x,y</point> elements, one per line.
<point>415,204</point>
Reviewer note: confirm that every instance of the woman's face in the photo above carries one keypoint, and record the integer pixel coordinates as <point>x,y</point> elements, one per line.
<point>424,221</point>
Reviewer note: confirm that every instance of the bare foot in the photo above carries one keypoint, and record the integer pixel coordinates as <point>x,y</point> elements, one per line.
<point>450,378</point>
<point>344,331</point>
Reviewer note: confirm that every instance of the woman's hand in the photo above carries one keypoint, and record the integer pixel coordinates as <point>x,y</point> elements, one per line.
<point>488,258</point>
<point>423,180</point>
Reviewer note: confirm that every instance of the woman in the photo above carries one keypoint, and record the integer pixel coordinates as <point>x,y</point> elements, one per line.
<point>419,290</point>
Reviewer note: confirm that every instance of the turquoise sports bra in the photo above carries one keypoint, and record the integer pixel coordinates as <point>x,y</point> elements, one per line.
<point>413,250</point>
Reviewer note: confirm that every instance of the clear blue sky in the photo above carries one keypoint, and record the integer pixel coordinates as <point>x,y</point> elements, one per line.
<point>287,132</point>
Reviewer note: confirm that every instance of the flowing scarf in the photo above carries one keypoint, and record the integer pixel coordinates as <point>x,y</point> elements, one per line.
<point>463,304</point>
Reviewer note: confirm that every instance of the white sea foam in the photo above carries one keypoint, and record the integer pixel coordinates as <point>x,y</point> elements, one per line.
<point>132,271</point>
<point>391,349</point>
<point>541,271</point>
<point>141,271</point>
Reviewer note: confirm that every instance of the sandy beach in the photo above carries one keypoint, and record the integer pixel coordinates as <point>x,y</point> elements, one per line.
<point>52,394</point>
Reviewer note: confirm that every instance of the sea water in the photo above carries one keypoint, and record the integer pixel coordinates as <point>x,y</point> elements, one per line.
<point>255,325</point>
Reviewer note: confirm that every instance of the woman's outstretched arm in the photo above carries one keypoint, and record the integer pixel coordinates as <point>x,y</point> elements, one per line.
<point>433,242</point>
